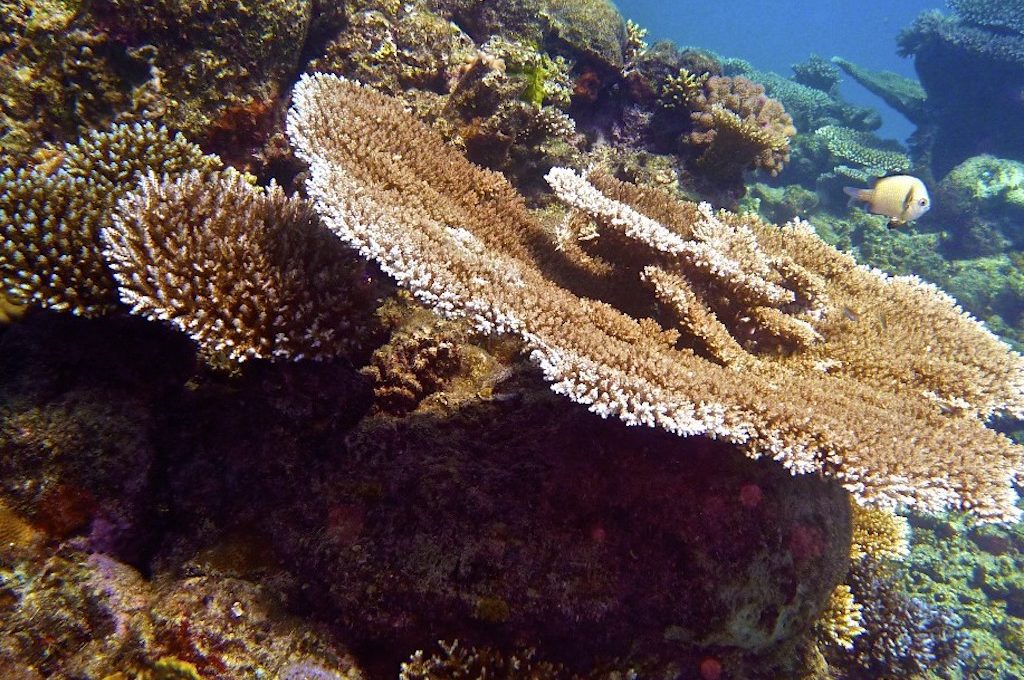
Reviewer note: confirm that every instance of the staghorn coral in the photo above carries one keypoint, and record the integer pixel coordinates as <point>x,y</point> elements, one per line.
<point>51,218</point>
<point>771,339</point>
<point>739,128</point>
<point>247,272</point>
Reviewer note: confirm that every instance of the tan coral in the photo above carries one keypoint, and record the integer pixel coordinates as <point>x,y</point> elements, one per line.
<point>739,128</point>
<point>51,215</point>
<point>247,272</point>
<point>879,533</point>
<point>898,385</point>
<point>841,621</point>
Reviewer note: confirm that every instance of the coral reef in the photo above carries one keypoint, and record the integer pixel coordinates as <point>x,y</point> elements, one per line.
<point>592,29</point>
<point>246,272</point>
<point>966,64</point>
<point>397,47</point>
<point>810,107</point>
<point>903,636</point>
<point>51,216</point>
<point>981,203</point>
<point>209,69</point>
<point>758,312</point>
<point>977,571</point>
<point>457,660</point>
<point>81,615</point>
<point>164,519</point>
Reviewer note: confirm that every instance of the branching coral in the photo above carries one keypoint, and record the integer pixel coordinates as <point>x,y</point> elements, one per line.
<point>904,637</point>
<point>840,623</point>
<point>247,272</point>
<point>51,218</point>
<point>462,661</point>
<point>878,533</point>
<point>769,338</point>
<point>739,128</point>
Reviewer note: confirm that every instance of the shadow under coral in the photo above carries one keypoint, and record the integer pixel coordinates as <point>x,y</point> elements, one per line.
<point>516,519</point>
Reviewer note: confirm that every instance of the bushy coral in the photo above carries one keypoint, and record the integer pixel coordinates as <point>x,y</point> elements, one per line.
<point>246,272</point>
<point>840,623</point>
<point>878,534</point>
<point>462,661</point>
<point>51,217</point>
<point>904,637</point>
<point>738,128</point>
<point>421,357</point>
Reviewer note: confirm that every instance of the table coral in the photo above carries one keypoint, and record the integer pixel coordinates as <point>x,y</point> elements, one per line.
<point>762,313</point>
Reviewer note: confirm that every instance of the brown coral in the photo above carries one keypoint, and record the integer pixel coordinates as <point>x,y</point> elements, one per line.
<point>51,215</point>
<point>825,366</point>
<point>739,128</point>
<point>247,272</point>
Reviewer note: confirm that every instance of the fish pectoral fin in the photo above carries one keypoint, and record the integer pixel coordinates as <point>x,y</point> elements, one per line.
<point>896,222</point>
<point>856,194</point>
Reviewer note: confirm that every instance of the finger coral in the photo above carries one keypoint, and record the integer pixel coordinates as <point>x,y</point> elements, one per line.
<point>767,337</point>
<point>51,218</point>
<point>739,128</point>
<point>247,272</point>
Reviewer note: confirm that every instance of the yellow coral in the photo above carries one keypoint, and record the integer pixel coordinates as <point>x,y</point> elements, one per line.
<point>878,532</point>
<point>10,310</point>
<point>841,621</point>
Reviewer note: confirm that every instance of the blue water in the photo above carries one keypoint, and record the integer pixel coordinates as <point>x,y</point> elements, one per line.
<point>774,35</point>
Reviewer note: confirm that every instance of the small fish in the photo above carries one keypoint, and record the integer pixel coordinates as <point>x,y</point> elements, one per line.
<point>901,198</point>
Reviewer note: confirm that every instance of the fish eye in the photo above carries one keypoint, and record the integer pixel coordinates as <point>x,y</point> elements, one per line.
<point>923,202</point>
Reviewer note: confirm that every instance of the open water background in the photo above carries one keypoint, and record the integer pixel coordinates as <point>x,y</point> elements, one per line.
<point>774,35</point>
